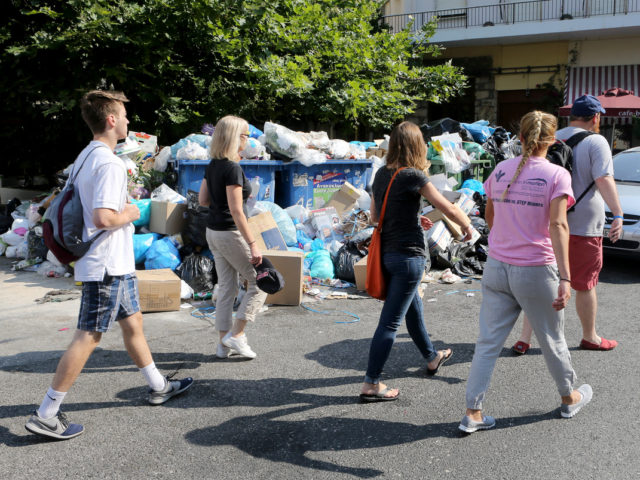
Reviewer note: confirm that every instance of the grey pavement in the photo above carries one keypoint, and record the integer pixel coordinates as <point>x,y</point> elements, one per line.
<point>293,411</point>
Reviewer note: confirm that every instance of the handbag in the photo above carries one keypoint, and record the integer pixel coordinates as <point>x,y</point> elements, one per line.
<point>376,281</point>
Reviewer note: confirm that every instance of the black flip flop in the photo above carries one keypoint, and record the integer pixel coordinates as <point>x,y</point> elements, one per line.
<point>377,397</point>
<point>442,361</point>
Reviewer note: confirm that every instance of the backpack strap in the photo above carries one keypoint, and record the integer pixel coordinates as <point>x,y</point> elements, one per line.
<point>73,179</point>
<point>576,138</point>
<point>572,141</point>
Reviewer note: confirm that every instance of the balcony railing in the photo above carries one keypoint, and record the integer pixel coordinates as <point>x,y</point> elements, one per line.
<point>510,13</point>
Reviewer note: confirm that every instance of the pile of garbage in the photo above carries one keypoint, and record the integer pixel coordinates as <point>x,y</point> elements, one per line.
<point>333,239</point>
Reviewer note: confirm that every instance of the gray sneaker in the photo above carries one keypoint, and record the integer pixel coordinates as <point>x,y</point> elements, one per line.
<point>173,388</point>
<point>57,427</point>
<point>469,426</point>
<point>568,411</point>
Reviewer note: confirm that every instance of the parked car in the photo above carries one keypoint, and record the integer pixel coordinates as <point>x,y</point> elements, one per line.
<point>626,167</point>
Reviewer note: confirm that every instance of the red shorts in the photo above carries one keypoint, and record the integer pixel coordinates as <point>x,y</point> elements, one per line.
<point>585,261</point>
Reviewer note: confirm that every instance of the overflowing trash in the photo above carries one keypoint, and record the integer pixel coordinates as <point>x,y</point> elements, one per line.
<point>315,211</point>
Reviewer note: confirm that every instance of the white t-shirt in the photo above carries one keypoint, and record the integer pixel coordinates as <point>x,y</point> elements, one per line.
<point>102,183</point>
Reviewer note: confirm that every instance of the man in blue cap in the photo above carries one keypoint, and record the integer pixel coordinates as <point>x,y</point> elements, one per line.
<point>592,167</point>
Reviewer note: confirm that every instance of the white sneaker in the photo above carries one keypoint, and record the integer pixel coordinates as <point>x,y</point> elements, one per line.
<point>239,344</point>
<point>224,352</point>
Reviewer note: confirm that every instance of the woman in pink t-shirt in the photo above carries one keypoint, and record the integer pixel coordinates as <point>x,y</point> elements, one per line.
<point>527,268</point>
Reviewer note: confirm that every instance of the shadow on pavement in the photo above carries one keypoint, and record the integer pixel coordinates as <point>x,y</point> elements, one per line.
<point>405,357</point>
<point>102,360</point>
<point>620,269</point>
<point>265,436</point>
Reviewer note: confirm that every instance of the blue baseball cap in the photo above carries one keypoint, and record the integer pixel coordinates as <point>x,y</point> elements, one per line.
<point>586,106</point>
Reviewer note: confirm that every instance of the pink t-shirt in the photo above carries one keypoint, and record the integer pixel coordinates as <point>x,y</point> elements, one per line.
<point>520,233</point>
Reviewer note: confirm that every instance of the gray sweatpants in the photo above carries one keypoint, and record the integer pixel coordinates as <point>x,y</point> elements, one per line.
<point>506,290</point>
<point>232,257</point>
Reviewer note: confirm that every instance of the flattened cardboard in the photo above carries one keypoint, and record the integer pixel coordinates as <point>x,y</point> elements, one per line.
<point>289,264</point>
<point>167,218</point>
<point>453,227</point>
<point>266,233</point>
<point>345,199</point>
<point>159,290</point>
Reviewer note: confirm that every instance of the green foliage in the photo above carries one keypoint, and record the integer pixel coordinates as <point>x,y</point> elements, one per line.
<point>184,62</point>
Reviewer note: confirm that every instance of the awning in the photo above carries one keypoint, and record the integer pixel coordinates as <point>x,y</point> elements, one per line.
<point>596,80</point>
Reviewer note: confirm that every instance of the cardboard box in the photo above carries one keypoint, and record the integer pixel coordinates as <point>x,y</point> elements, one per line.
<point>438,237</point>
<point>159,290</point>
<point>345,199</point>
<point>377,152</point>
<point>289,264</point>
<point>453,227</point>
<point>167,218</point>
<point>266,233</point>
<point>360,270</point>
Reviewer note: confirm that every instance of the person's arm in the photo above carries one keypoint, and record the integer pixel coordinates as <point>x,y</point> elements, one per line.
<point>559,233</point>
<point>488,213</point>
<point>374,211</point>
<point>203,194</point>
<point>107,219</point>
<point>234,199</point>
<point>452,211</point>
<point>607,188</point>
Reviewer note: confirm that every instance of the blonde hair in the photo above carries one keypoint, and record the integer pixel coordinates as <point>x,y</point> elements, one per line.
<point>407,148</point>
<point>538,130</point>
<point>226,137</point>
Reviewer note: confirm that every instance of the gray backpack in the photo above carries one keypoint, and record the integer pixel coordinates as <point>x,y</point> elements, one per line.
<point>62,229</point>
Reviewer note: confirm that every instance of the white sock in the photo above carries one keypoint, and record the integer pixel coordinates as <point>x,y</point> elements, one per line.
<point>153,377</point>
<point>51,404</point>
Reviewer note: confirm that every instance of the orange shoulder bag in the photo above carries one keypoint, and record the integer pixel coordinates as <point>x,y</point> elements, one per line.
<point>376,282</point>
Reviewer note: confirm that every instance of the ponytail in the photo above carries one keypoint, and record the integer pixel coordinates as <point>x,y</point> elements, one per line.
<point>537,130</point>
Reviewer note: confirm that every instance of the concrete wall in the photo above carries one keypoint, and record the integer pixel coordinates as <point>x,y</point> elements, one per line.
<point>613,51</point>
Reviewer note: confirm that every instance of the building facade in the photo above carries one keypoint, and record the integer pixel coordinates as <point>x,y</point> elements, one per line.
<point>531,54</point>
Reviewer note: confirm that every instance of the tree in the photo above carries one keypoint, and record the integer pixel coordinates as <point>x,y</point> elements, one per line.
<point>183,62</point>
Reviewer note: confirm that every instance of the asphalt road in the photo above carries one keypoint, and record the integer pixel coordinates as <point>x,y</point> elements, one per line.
<point>293,411</point>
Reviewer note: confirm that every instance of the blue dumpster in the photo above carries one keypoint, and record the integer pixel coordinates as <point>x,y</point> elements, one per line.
<point>312,186</point>
<point>191,173</point>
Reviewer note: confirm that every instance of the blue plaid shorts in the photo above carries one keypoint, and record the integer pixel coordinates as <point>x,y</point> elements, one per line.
<point>107,301</point>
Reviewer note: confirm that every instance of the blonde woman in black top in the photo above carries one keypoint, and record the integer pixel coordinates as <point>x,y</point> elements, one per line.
<point>225,190</point>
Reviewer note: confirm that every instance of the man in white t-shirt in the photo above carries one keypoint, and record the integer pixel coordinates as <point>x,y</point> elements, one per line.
<point>107,270</point>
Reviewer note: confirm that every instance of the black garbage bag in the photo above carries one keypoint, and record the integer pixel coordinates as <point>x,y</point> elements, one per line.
<point>482,253</point>
<point>5,223</point>
<point>11,206</point>
<point>35,246</point>
<point>461,258</point>
<point>198,272</point>
<point>444,125</point>
<point>346,258</point>
<point>194,232</point>
<point>501,146</point>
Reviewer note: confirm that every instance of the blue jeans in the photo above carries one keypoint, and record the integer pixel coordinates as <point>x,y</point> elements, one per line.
<point>404,276</point>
